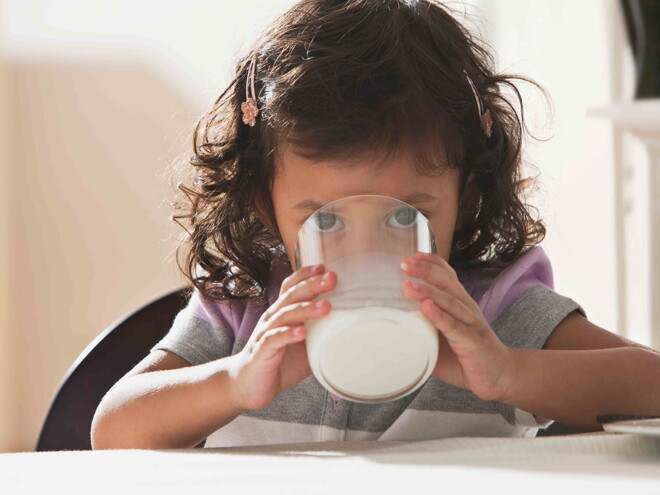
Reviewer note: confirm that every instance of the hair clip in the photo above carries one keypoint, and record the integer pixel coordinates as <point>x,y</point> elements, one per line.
<point>486,119</point>
<point>249,106</point>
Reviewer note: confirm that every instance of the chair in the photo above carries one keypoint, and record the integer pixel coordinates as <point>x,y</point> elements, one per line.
<point>558,429</point>
<point>103,362</point>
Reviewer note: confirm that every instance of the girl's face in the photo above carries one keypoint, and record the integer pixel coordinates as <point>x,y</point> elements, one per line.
<point>299,180</point>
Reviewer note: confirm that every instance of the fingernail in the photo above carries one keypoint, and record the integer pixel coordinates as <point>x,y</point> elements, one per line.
<point>319,304</point>
<point>325,279</point>
<point>407,263</point>
<point>413,284</point>
<point>318,268</point>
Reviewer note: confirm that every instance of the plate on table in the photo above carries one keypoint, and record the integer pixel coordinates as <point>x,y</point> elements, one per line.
<point>640,426</point>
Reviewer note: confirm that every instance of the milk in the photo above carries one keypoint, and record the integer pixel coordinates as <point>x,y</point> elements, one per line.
<point>371,354</point>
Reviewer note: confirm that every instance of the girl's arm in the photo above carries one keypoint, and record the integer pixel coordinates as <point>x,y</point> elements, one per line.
<point>584,371</point>
<point>573,387</point>
<point>165,408</point>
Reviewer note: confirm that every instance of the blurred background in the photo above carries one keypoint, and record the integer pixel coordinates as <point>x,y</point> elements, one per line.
<point>97,99</point>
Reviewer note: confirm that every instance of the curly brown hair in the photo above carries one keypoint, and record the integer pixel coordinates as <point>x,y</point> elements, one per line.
<point>339,77</point>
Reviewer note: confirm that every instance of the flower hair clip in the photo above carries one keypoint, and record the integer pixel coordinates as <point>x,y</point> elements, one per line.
<point>249,106</point>
<point>486,119</point>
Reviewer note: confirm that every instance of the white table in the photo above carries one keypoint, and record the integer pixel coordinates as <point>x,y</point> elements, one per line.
<point>598,463</point>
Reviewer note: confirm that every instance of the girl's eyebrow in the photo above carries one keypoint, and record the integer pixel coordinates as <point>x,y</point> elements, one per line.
<point>414,198</point>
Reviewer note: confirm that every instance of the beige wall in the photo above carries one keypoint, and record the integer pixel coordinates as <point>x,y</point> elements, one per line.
<point>9,360</point>
<point>94,106</point>
<point>89,220</point>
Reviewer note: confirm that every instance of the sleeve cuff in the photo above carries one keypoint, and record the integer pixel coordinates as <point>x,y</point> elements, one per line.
<point>196,340</point>
<point>532,317</point>
<point>524,418</point>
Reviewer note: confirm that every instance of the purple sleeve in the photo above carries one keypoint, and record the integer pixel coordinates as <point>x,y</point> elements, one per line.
<point>532,268</point>
<point>203,331</point>
<point>221,314</point>
<point>206,330</point>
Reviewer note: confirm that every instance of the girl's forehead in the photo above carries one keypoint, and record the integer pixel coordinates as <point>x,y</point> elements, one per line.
<point>309,184</point>
<point>290,165</point>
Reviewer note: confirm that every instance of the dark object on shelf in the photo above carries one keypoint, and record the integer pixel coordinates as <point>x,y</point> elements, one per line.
<point>642,19</point>
<point>103,362</point>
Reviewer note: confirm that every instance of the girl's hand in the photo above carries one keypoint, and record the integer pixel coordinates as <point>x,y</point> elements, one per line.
<point>275,356</point>
<point>470,355</point>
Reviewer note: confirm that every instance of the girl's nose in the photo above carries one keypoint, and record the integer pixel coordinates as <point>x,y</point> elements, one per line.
<point>365,235</point>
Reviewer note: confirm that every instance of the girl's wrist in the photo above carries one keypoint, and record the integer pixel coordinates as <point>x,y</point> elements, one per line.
<point>503,375</point>
<point>508,376</point>
<point>233,394</point>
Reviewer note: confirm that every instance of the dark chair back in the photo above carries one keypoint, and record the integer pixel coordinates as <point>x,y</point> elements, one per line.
<point>556,429</point>
<point>103,362</point>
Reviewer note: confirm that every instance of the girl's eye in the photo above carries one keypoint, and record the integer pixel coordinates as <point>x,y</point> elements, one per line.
<point>404,218</point>
<point>326,222</point>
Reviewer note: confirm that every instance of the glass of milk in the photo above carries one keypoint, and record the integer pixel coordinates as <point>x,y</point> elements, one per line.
<point>374,345</point>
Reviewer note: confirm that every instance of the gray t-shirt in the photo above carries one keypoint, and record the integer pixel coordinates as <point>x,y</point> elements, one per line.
<point>519,303</point>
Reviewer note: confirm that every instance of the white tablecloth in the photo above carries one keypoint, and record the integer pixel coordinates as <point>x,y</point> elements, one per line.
<point>588,463</point>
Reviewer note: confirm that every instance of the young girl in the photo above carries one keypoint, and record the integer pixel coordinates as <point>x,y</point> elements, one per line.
<point>388,97</point>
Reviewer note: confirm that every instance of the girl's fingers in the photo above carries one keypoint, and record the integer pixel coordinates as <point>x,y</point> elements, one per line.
<point>436,259</point>
<point>275,341</point>
<point>297,314</point>
<point>437,272</point>
<point>305,290</point>
<point>454,330</point>
<point>444,300</point>
<point>300,275</point>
